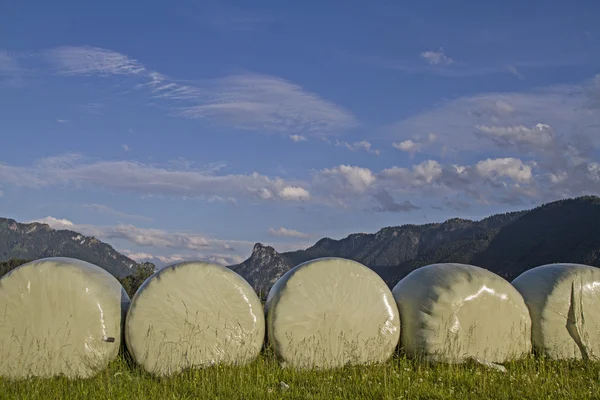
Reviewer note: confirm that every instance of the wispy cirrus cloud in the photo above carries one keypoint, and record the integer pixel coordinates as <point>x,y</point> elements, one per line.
<point>104,209</point>
<point>224,17</point>
<point>437,57</point>
<point>297,138</point>
<point>87,60</point>
<point>91,108</point>
<point>515,72</point>
<point>438,63</point>
<point>144,179</point>
<point>8,63</point>
<point>356,146</point>
<point>11,70</point>
<point>258,102</point>
<point>247,101</point>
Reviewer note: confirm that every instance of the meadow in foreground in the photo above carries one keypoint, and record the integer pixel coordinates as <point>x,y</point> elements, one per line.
<point>399,378</point>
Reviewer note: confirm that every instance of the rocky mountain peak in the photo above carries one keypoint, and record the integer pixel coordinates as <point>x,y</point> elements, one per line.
<point>35,240</point>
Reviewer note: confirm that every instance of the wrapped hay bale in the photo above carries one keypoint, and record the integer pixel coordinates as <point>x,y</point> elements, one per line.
<point>564,303</point>
<point>454,312</point>
<point>194,314</point>
<point>331,312</point>
<point>59,316</point>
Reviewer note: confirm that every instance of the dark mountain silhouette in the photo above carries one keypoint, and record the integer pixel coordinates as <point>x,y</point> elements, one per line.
<point>34,241</point>
<point>507,244</point>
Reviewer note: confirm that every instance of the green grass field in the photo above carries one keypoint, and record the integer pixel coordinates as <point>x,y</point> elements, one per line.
<point>399,378</point>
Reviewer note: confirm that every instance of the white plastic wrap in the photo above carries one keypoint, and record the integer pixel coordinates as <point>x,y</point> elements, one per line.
<point>331,312</point>
<point>194,314</point>
<point>453,312</point>
<point>564,303</point>
<point>59,316</point>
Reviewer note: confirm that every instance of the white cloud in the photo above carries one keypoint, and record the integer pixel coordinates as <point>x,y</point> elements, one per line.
<point>104,209</point>
<point>225,259</point>
<point>294,193</point>
<point>554,127</point>
<point>169,259</point>
<point>288,233</point>
<point>144,179</point>
<point>515,72</point>
<point>54,223</point>
<point>569,110</point>
<point>436,57</point>
<point>408,146</point>
<point>421,174</point>
<point>344,179</point>
<point>125,147</point>
<point>62,121</point>
<point>512,168</point>
<point>139,256</point>
<point>86,60</point>
<point>538,137</point>
<point>173,258</point>
<point>362,145</point>
<point>413,147</point>
<point>297,138</point>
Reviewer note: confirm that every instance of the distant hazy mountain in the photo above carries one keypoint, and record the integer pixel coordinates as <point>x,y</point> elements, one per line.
<point>507,244</point>
<point>34,241</point>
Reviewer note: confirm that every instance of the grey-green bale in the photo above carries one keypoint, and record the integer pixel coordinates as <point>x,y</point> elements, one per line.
<point>453,312</point>
<point>194,314</point>
<point>564,303</point>
<point>331,312</point>
<point>59,316</point>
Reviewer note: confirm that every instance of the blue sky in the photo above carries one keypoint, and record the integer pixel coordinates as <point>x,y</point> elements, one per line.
<point>192,130</point>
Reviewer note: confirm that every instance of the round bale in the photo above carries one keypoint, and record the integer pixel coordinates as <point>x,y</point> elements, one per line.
<point>59,316</point>
<point>331,312</point>
<point>194,314</point>
<point>453,312</point>
<point>563,301</point>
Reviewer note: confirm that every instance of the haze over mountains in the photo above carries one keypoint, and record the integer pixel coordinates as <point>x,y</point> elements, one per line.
<point>507,244</point>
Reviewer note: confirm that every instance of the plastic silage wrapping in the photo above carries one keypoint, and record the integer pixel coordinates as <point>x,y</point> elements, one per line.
<point>331,312</point>
<point>564,303</point>
<point>59,316</point>
<point>453,312</point>
<point>194,314</point>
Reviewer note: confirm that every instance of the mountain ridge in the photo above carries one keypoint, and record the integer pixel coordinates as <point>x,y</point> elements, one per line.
<point>37,240</point>
<point>507,244</point>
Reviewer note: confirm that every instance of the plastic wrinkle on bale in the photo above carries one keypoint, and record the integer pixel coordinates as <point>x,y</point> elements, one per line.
<point>331,312</point>
<point>194,314</point>
<point>564,303</point>
<point>59,316</point>
<point>456,312</point>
